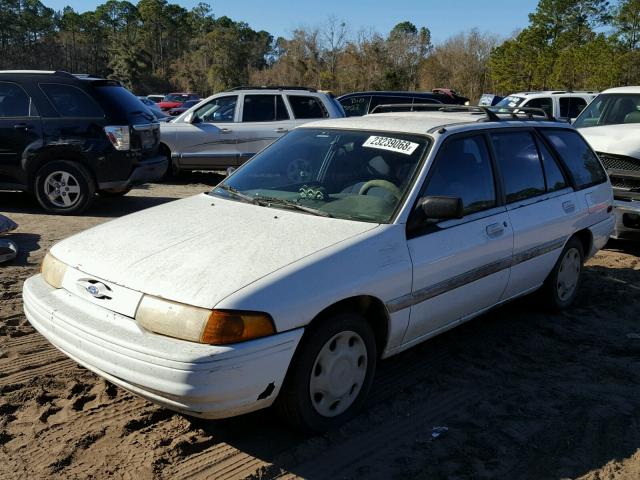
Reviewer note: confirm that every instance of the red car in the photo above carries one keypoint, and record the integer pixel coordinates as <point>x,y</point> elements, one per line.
<point>173,100</point>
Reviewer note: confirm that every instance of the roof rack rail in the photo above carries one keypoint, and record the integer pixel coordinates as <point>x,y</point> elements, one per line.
<point>491,113</point>
<point>272,87</point>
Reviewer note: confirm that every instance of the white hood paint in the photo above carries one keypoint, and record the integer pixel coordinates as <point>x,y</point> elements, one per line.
<point>616,139</point>
<point>200,249</point>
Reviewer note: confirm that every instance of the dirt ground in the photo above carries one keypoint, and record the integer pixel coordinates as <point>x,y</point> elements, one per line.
<point>524,393</point>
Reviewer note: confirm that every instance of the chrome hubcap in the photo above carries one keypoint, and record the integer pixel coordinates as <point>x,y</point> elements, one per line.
<point>568,274</point>
<point>62,189</point>
<point>338,374</point>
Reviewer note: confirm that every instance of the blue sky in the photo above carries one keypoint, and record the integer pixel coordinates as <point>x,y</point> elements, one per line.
<point>442,17</point>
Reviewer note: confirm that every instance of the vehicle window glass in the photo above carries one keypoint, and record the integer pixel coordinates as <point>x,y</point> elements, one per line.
<point>511,101</point>
<point>113,96</point>
<point>14,101</point>
<point>570,107</point>
<point>70,101</point>
<point>577,156</point>
<point>610,109</point>
<point>553,175</point>
<point>359,175</point>
<point>218,110</point>
<point>544,103</point>
<point>281,109</point>
<point>259,108</point>
<point>307,107</point>
<point>462,169</point>
<point>356,106</point>
<point>519,164</point>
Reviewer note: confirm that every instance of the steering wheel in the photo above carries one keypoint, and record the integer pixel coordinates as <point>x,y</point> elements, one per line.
<point>390,187</point>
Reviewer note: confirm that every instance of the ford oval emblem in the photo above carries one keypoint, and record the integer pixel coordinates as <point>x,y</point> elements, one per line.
<point>93,290</point>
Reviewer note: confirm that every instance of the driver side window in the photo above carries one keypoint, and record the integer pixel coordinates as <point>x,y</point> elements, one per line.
<point>463,170</point>
<point>218,110</point>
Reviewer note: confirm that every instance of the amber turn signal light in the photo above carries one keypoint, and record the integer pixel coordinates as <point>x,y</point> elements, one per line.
<point>224,327</point>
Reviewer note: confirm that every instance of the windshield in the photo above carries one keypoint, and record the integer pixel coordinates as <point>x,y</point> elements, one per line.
<point>176,97</point>
<point>610,109</point>
<point>512,101</point>
<point>339,173</point>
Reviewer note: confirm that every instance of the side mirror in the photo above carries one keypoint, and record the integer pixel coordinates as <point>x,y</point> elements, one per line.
<point>441,208</point>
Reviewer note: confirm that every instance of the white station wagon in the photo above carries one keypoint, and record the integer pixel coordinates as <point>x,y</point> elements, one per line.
<point>344,242</point>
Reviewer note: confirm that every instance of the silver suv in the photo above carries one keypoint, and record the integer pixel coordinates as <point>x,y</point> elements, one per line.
<point>228,128</point>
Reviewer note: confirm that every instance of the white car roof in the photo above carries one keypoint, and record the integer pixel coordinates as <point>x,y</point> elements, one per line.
<point>540,93</point>
<point>426,122</point>
<point>631,89</point>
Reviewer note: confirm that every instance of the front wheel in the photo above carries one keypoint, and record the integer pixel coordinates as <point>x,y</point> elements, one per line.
<point>561,286</point>
<point>330,375</point>
<point>64,187</point>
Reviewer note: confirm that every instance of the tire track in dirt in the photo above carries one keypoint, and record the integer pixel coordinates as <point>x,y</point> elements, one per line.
<point>58,365</point>
<point>29,361</point>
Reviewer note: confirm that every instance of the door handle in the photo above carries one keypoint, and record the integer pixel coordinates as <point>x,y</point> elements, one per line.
<point>282,130</point>
<point>568,206</point>
<point>225,130</point>
<point>494,229</point>
<point>23,126</point>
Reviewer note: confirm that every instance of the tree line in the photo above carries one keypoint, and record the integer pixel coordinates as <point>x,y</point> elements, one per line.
<point>157,46</point>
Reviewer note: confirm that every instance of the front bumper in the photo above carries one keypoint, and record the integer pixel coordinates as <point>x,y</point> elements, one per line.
<point>145,171</point>
<point>201,380</point>
<point>627,219</point>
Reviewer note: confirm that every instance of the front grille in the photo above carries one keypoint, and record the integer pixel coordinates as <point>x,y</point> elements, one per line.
<point>619,162</point>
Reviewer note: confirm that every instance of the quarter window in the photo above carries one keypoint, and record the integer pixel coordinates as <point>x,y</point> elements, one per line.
<point>577,156</point>
<point>263,108</point>
<point>463,170</point>
<point>307,107</point>
<point>218,110</point>
<point>519,164</point>
<point>14,101</point>
<point>70,101</point>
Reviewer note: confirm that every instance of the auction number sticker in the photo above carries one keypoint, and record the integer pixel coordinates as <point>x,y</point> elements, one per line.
<point>391,144</point>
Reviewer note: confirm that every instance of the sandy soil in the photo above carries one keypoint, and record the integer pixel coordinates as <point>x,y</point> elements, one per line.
<point>524,393</point>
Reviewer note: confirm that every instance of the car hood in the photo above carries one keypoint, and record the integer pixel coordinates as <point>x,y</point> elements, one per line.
<point>616,139</point>
<point>200,249</point>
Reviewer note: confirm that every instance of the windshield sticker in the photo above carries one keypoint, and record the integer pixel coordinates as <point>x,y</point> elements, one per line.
<point>391,144</point>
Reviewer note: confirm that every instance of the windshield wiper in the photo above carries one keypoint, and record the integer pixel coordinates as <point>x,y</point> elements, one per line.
<point>293,205</point>
<point>238,194</point>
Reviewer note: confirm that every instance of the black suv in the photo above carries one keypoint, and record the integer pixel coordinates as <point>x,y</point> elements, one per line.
<point>361,103</point>
<point>65,137</point>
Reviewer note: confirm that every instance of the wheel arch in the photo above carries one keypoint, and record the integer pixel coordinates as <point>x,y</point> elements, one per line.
<point>32,164</point>
<point>370,307</point>
<point>586,239</point>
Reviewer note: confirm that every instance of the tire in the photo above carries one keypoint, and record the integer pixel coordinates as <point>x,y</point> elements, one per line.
<point>64,188</point>
<point>561,286</point>
<point>350,367</point>
<point>172,169</point>
<point>113,194</point>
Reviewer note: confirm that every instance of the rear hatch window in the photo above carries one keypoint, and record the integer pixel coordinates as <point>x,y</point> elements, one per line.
<point>121,104</point>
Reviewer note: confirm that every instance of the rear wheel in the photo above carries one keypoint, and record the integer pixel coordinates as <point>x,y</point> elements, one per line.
<point>561,286</point>
<point>330,375</point>
<point>64,187</point>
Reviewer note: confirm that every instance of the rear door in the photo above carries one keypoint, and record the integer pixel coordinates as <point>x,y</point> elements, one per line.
<point>264,119</point>
<point>541,206</point>
<point>460,267</point>
<point>209,141</point>
<point>19,128</point>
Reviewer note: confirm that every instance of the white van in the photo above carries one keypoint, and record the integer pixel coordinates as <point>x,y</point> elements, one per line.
<point>611,125</point>
<point>561,104</point>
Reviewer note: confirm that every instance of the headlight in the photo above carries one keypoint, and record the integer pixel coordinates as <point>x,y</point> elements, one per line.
<point>216,327</point>
<point>53,270</point>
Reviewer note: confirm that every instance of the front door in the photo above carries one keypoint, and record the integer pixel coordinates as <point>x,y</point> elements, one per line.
<point>264,119</point>
<point>209,140</point>
<point>460,267</point>
<point>19,128</point>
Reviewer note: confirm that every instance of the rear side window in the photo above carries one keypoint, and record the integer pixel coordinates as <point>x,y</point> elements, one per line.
<point>14,101</point>
<point>304,106</point>
<point>356,106</point>
<point>570,107</point>
<point>520,165</point>
<point>552,173</point>
<point>70,101</point>
<point>462,169</point>
<point>581,162</point>
<point>263,108</point>
<point>116,97</point>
